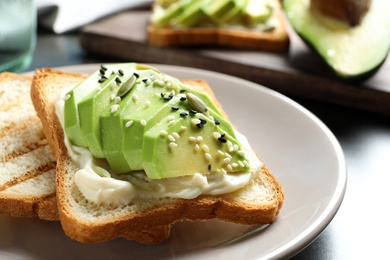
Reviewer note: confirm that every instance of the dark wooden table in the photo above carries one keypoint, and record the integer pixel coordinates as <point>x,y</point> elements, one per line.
<point>360,228</point>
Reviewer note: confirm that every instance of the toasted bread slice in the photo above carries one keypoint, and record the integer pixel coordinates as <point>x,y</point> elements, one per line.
<point>259,202</point>
<point>276,40</point>
<point>27,169</point>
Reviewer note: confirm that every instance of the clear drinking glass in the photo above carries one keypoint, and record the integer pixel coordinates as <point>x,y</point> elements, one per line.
<point>18,25</point>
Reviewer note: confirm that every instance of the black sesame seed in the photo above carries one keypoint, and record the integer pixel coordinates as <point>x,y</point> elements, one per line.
<point>216,121</point>
<point>102,71</point>
<point>199,125</point>
<point>183,99</point>
<point>175,108</point>
<point>136,75</point>
<point>222,140</point>
<point>171,95</point>
<point>209,167</point>
<point>183,114</point>
<point>118,80</point>
<point>162,94</point>
<point>101,80</point>
<point>121,72</point>
<point>182,90</point>
<point>193,111</point>
<point>223,135</point>
<point>202,121</point>
<point>144,80</point>
<point>103,67</point>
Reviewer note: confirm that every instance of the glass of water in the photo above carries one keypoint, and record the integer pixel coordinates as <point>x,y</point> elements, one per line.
<point>18,25</point>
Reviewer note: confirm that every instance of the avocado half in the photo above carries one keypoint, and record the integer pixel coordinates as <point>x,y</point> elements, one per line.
<point>353,53</point>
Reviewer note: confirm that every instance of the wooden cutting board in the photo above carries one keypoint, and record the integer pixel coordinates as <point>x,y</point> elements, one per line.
<point>298,73</point>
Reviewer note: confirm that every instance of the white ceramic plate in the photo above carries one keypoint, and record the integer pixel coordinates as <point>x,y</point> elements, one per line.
<point>298,148</point>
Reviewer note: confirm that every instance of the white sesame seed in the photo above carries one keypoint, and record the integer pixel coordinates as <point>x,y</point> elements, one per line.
<point>135,97</point>
<point>205,148</point>
<point>199,138</point>
<point>229,167</point>
<point>171,117</point>
<point>117,100</point>
<point>163,133</point>
<point>235,147</point>
<point>183,128</point>
<point>208,156</point>
<point>192,139</point>
<point>112,96</point>
<point>216,135</point>
<point>221,153</point>
<point>224,171</point>
<point>241,153</point>
<point>176,135</point>
<point>67,96</point>
<point>143,122</point>
<point>234,165</point>
<point>171,138</point>
<point>114,108</point>
<point>147,103</point>
<point>172,145</point>
<point>195,121</point>
<point>197,147</point>
<point>228,155</point>
<point>241,163</point>
<point>129,123</point>
<point>246,163</point>
<point>230,146</point>
<point>226,160</point>
<point>113,85</point>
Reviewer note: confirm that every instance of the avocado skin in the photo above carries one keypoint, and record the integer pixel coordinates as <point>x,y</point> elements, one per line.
<point>366,71</point>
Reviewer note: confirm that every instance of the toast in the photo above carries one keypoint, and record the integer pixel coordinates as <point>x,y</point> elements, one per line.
<point>27,169</point>
<point>272,40</point>
<point>259,202</point>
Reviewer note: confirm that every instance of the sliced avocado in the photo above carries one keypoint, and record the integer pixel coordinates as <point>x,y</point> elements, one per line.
<point>191,15</point>
<point>91,107</point>
<point>352,52</point>
<point>185,146</point>
<point>71,117</point>
<point>216,10</point>
<point>172,11</point>
<point>256,11</point>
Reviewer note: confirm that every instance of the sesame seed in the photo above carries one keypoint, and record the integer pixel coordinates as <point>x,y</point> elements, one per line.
<point>208,156</point>
<point>183,99</point>
<point>235,147</point>
<point>205,148</point>
<point>129,123</point>
<point>195,121</point>
<point>216,135</point>
<point>246,163</point>
<point>192,139</point>
<point>229,167</point>
<point>121,72</point>
<point>145,80</point>
<point>216,122</point>
<point>171,138</point>
<point>241,153</point>
<point>118,80</point>
<point>209,167</point>
<point>183,128</point>
<point>193,111</point>
<point>147,103</point>
<point>112,85</point>
<point>234,165</point>
<point>221,153</point>
<point>175,108</point>
<point>183,114</point>
<point>226,160</point>
<point>67,96</point>
<point>199,138</point>
<point>241,163</point>
<point>143,122</point>
<point>197,147</point>
<point>199,125</point>
<point>222,140</point>
<point>114,108</point>
<point>112,96</point>
<point>171,118</point>
<point>176,135</point>
<point>135,97</point>
<point>223,171</point>
<point>136,75</point>
<point>117,100</point>
<point>202,121</point>
<point>163,133</point>
<point>102,71</point>
<point>102,79</point>
<point>103,67</point>
<point>182,90</point>
<point>228,155</point>
<point>172,145</point>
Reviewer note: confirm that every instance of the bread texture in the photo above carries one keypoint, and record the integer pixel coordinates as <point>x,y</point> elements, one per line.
<point>259,202</point>
<point>27,168</point>
<point>276,40</point>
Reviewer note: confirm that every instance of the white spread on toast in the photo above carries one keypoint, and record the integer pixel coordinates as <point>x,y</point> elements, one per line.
<point>122,189</point>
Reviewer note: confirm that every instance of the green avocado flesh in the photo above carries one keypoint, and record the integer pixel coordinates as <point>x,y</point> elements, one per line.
<point>351,52</point>
<point>199,13</point>
<point>140,119</point>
